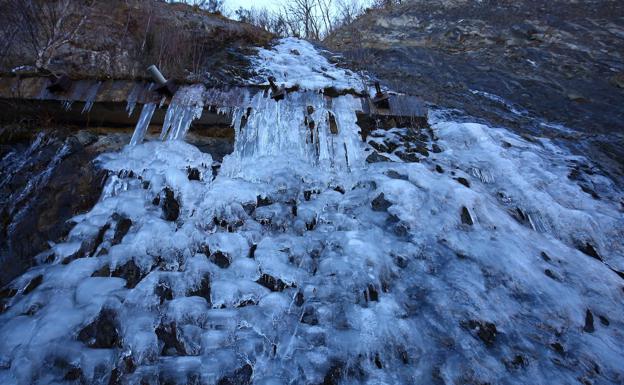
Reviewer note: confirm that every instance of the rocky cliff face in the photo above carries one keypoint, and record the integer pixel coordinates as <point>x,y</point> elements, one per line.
<point>119,39</point>
<point>549,68</point>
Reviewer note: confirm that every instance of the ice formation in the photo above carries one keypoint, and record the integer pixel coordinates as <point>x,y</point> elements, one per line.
<point>464,258</point>
<point>186,106</point>
<point>143,123</point>
<point>296,62</point>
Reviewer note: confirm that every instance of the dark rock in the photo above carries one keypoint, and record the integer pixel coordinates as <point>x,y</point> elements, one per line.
<point>399,227</point>
<point>89,246</point>
<point>73,374</point>
<point>387,146</point>
<point>517,362</point>
<point>168,335</point>
<point>171,207</point>
<point>408,157</point>
<point>272,283</point>
<point>164,292</point>
<point>575,174</point>
<point>463,181</point>
<point>590,250</point>
<point>221,259</point>
<point>604,320</point>
<point>557,347</point>
<point>246,302</point>
<point>378,363</point>
<point>122,228</point>
<point>249,207</point>
<point>589,191</point>
<point>401,261</point>
<point>203,290</point>
<point>545,256</point>
<point>102,333</point>
<point>439,169</point>
<point>485,331</point>
<point>156,200</point>
<point>32,285</point>
<point>371,294</point>
<point>130,272</point>
<point>104,271</point>
<point>311,225</point>
<point>307,194</point>
<point>380,203</point>
<point>299,299</point>
<point>193,174</point>
<point>252,251</point>
<point>309,316</point>
<point>466,218</point>
<point>340,189</point>
<point>263,201</point>
<point>333,375</point>
<point>395,175</point>
<point>241,376</point>
<point>435,148</point>
<point>589,322</point>
<point>204,248</point>
<point>403,356</point>
<point>422,150</point>
<point>115,377</point>
<point>71,187</point>
<point>375,157</point>
<point>7,292</point>
<point>551,275</point>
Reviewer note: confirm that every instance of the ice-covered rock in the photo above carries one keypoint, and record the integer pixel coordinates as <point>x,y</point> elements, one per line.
<point>300,262</point>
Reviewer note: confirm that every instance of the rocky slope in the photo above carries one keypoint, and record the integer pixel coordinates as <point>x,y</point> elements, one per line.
<point>420,248</point>
<point>547,68</point>
<point>119,39</point>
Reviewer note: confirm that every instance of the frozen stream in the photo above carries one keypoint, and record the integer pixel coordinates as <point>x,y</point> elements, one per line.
<point>299,262</point>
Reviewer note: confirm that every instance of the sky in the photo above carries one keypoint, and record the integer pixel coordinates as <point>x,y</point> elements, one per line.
<point>270,4</point>
<point>232,5</point>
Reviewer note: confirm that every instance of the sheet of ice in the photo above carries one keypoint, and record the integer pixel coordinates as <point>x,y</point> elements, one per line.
<point>296,62</point>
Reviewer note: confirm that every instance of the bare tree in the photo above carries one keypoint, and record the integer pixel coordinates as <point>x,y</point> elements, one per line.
<point>304,12</point>
<point>327,16</point>
<point>310,19</point>
<point>47,25</point>
<point>348,10</point>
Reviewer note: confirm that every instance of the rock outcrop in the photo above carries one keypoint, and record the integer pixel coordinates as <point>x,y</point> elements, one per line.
<point>546,68</point>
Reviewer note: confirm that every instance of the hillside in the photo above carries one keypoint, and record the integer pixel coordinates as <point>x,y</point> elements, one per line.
<point>547,68</point>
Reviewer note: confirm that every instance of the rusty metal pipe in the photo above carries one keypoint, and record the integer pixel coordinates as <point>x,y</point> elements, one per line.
<point>156,75</point>
<point>274,86</point>
<point>378,88</point>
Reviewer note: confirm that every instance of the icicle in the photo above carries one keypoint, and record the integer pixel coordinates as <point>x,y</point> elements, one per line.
<point>186,106</point>
<point>132,98</point>
<point>90,97</point>
<point>143,124</point>
<point>67,104</point>
<point>297,128</point>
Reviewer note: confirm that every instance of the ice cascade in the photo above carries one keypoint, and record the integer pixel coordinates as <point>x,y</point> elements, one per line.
<point>305,127</point>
